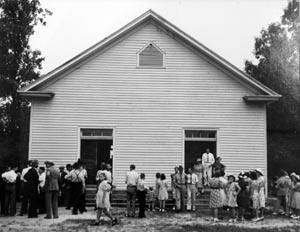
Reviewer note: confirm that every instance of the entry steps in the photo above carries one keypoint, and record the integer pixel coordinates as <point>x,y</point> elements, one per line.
<point>118,198</point>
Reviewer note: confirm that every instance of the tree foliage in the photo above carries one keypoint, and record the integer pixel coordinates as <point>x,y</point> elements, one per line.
<point>277,66</point>
<point>19,65</point>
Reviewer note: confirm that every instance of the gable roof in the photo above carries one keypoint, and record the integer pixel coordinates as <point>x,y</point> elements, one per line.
<point>266,93</point>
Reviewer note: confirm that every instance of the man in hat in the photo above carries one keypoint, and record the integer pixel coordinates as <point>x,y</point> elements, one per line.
<point>180,187</point>
<point>208,160</point>
<point>283,186</point>
<point>32,179</point>
<point>51,190</point>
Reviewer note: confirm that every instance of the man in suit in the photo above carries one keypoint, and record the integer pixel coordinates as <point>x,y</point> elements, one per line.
<point>51,190</point>
<point>32,179</point>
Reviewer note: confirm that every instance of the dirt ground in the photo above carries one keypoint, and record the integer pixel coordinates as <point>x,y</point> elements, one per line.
<point>167,222</point>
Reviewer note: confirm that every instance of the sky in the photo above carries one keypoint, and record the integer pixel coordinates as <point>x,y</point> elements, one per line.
<point>228,27</point>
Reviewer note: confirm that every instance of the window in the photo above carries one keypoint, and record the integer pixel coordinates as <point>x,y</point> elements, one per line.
<point>151,57</point>
<point>92,133</point>
<point>205,135</point>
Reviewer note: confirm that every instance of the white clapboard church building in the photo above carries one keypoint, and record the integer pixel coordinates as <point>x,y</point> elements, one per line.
<point>149,95</point>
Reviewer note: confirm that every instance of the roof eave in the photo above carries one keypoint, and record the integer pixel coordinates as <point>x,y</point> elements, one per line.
<point>36,94</point>
<point>262,98</point>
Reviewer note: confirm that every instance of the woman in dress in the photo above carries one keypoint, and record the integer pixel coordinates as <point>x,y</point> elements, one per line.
<point>255,188</point>
<point>295,197</point>
<point>215,201</point>
<point>156,190</point>
<point>198,170</point>
<point>162,193</point>
<point>261,193</point>
<point>102,200</point>
<point>232,190</point>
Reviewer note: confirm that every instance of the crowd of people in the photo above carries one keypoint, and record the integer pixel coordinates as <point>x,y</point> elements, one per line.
<point>43,189</point>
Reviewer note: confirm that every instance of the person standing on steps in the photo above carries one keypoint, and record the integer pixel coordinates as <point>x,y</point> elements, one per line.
<point>51,190</point>
<point>208,160</point>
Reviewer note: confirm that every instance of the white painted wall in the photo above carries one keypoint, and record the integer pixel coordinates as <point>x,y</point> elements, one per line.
<point>148,108</point>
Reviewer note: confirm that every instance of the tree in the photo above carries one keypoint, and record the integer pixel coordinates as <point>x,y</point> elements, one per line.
<point>277,66</point>
<point>19,65</point>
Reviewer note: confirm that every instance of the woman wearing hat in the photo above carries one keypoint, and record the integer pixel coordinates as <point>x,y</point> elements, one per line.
<point>295,196</point>
<point>198,170</point>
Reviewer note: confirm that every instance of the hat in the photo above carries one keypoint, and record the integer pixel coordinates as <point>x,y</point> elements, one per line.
<point>297,177</point>
<point>49,162</point>
<point>232,177</point>
<point>199,159</point>
<point>293,174</point>
<point>259,171</point>
<point>34,162</point>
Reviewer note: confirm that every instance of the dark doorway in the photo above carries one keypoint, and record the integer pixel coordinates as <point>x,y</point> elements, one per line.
<point>195,149</point>
<point>93,153</point>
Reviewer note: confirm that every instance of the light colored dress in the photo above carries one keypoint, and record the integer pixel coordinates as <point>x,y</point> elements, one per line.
<point>163,190</point>
<point>256,196</point>
<point>232,190</point>
<point>215,200</point>
<point>157,185</point>
<point>222,190</point>
<point>261,193</point>
<point>295,198</point>
<point>103,191</point>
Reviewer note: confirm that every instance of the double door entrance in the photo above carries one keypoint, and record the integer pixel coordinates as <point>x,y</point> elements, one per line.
<point>96,147</point>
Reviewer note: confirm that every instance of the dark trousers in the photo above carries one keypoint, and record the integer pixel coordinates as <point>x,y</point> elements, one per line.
<point>131,197</point>
<point>10,199</point>
<point>67,199</point>
<point>24,200</point>
<point>42,202</point>
<point>78,197</point>
<point>141,195</point>
<point>51,203</point>
<point>33,204</point>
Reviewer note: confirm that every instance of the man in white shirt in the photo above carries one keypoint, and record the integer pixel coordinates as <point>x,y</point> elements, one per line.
<point>131,180</point>
<point>208,160</point>
<point>10,177</point>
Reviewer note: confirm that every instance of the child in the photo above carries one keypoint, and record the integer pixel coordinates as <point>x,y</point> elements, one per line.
<point>141,195</point>
<point>243,198</point>
<point>192,180</point>
<point>174,187</point>
<point>255,188</point>
<point>232,190</point>
<point>102,200</point>
<point>157,181</point>
<point>151,199</point>
<point>295,196</point>
<point>162,193</point>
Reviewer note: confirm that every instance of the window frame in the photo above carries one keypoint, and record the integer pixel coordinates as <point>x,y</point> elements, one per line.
<point>150,67</point>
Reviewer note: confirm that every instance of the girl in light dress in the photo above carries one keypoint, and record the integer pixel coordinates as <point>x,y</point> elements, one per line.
<point>102,200</point>
<point>162,192</point>
<point>261,193</point>
<point>156,189</point>
<point>232,190</point>
<point>198,170</point>
<point>257,202</point>
<point>295,196</point>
